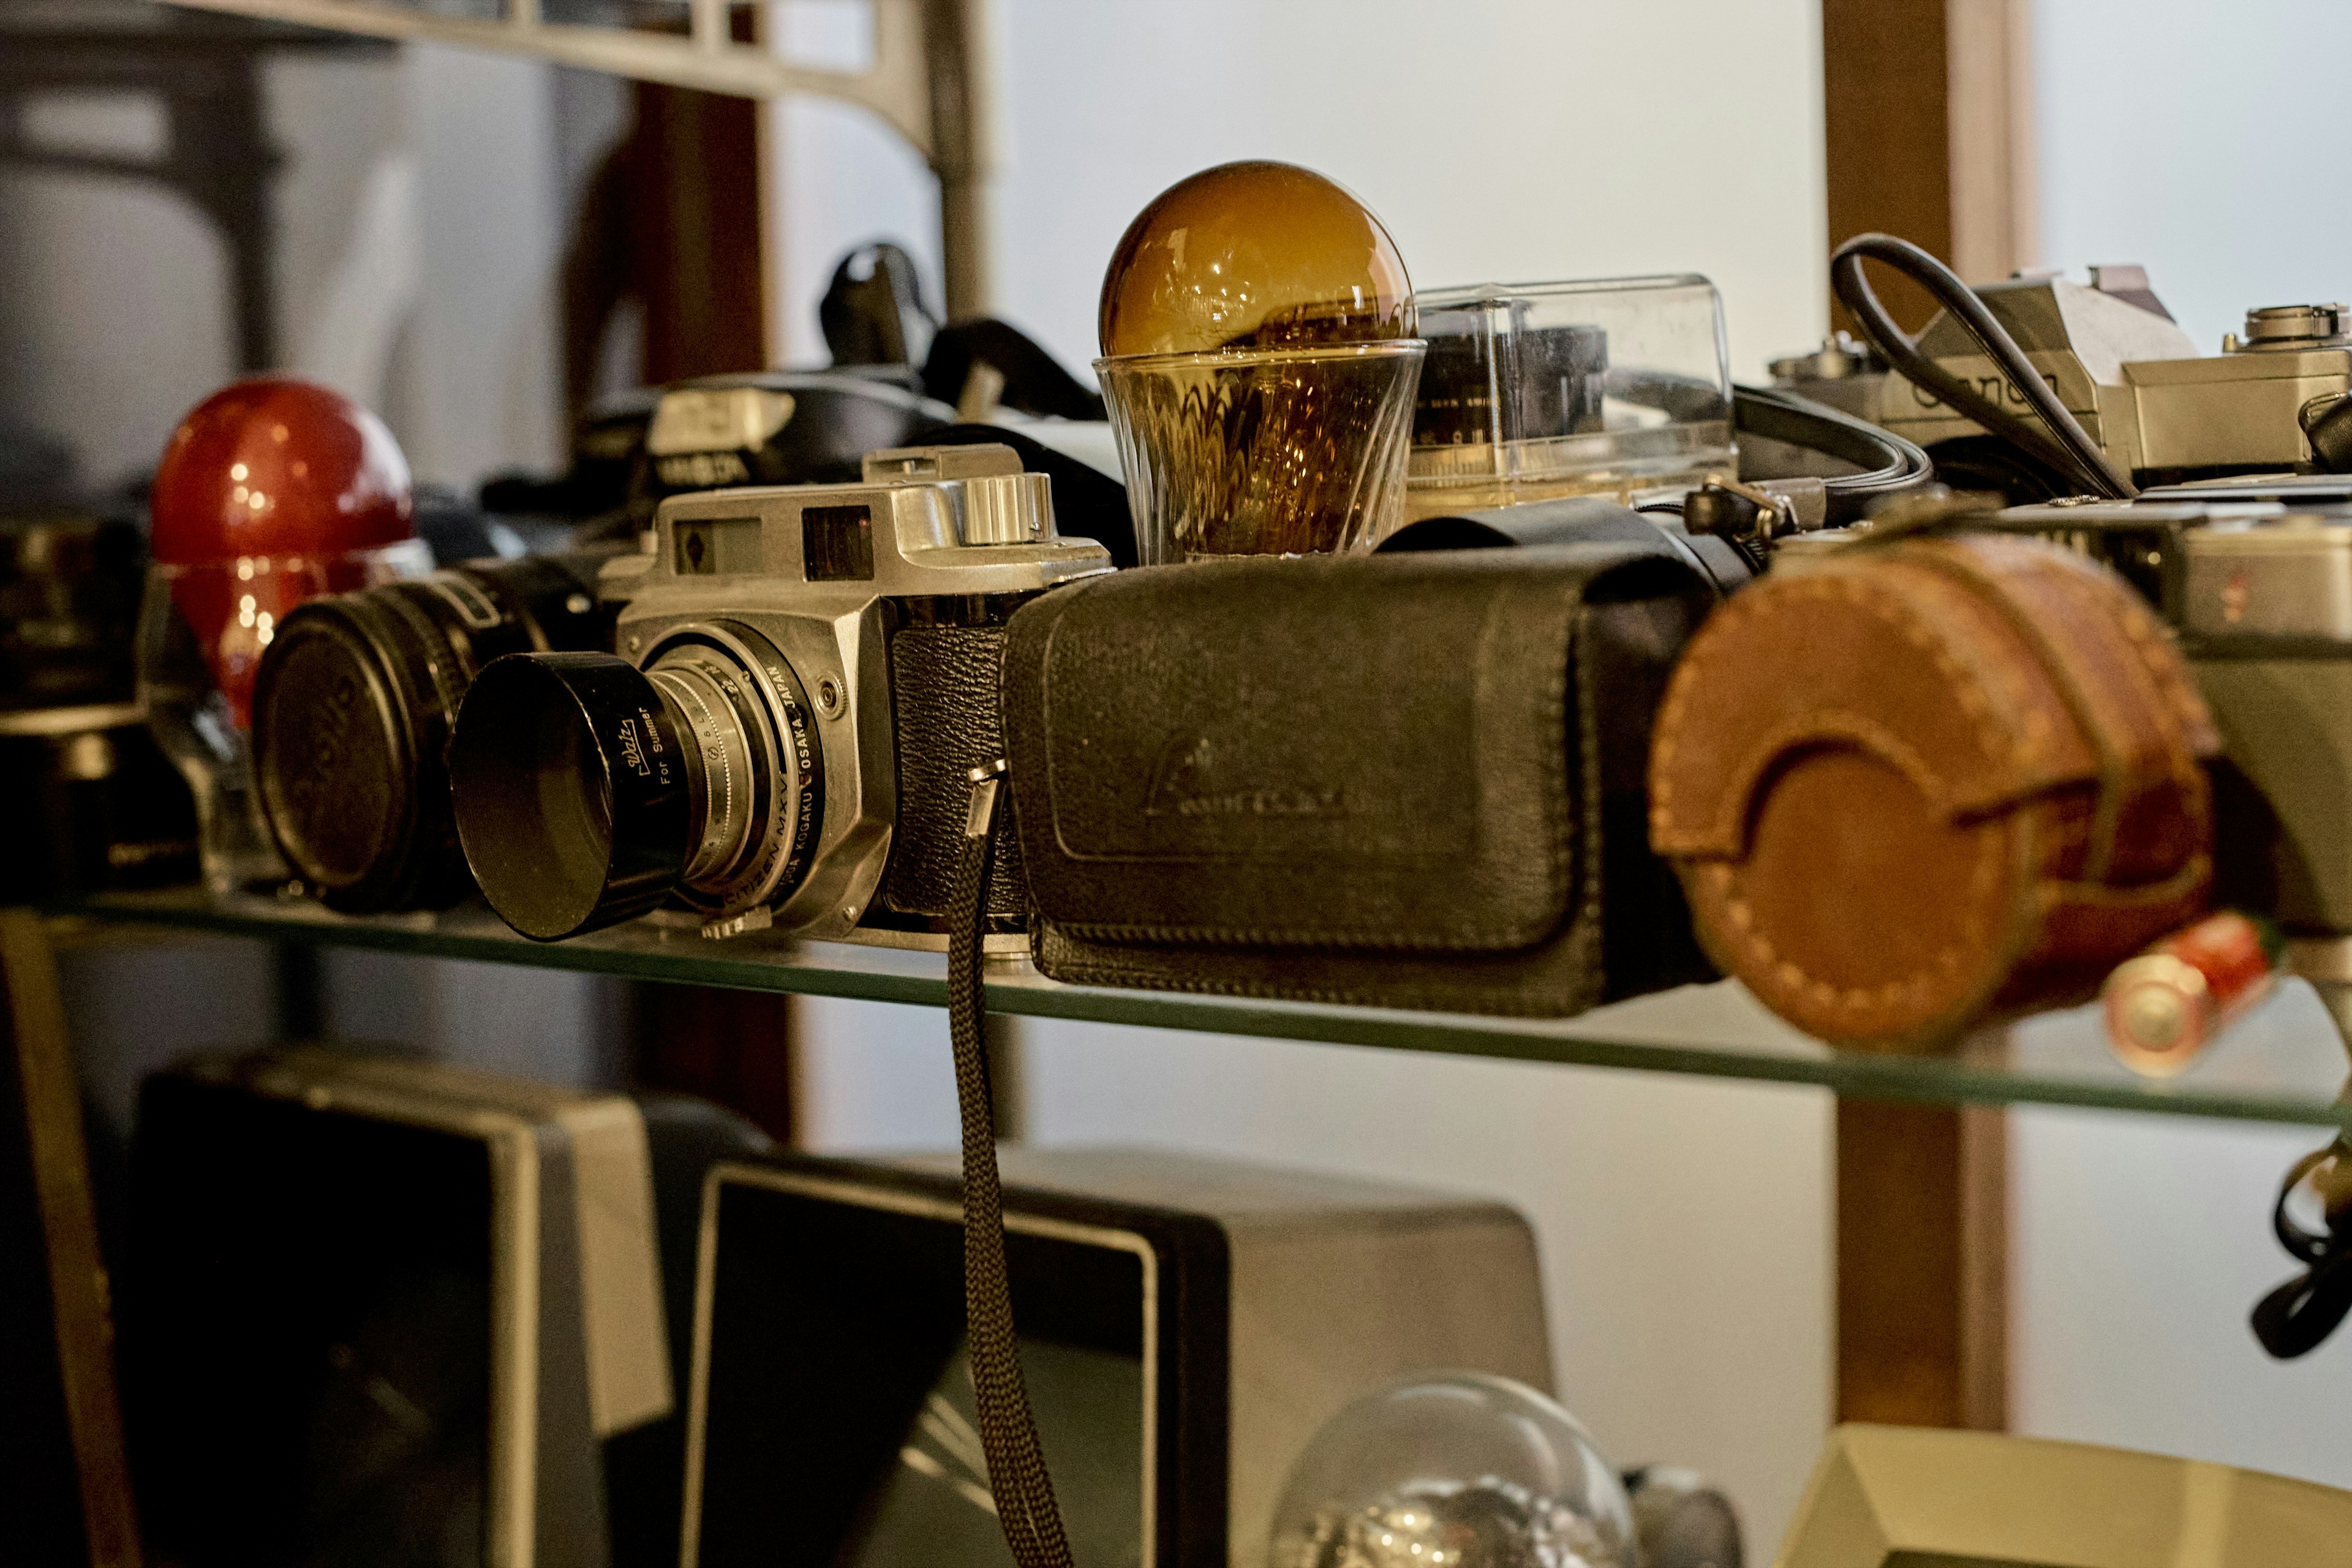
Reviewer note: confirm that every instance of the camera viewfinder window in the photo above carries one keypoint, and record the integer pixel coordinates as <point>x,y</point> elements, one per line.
<point>717,546</point>
<point>837,544</point>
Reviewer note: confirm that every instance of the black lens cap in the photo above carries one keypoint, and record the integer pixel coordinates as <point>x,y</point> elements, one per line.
<point>334,755</point>
<point>569,774</point>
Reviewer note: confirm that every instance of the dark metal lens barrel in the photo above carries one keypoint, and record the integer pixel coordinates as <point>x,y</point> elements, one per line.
<point>353,709</point>
<point>575,780</point>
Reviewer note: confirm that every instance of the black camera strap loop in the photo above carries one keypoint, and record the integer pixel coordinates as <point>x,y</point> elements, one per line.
<point>2296,1316</point>
<point>2058,440</point>
<point>1008,1434</point>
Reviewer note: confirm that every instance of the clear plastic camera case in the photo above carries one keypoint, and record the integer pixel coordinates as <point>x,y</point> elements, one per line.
<point>1537,390</point>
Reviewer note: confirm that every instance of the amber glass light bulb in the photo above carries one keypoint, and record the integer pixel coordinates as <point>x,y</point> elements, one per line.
<point>1253,256</point>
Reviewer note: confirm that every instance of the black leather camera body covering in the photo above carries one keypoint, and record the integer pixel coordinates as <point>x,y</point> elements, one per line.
<point>944,723</point>
<point>1409,781</point>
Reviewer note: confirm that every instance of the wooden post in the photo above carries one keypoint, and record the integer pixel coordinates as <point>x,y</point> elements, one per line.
<point>65,1485</point>
<point>1928,136</point>
<point>1922,1260</point>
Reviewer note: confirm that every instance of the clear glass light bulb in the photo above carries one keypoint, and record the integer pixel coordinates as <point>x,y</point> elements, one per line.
<point>1452,1470</point>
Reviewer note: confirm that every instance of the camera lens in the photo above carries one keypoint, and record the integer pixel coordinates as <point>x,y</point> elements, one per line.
<point>353,709</point>
<point>587,791</point>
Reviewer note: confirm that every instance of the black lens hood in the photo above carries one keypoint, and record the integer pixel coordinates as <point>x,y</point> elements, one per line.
<point>569,774</point>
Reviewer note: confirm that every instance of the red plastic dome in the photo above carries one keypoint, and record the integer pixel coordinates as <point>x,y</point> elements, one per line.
<point>277,467</point>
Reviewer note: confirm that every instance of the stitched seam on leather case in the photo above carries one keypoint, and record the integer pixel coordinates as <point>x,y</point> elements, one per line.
<point>1986,578</point>
<point>1744,937</point>
<point>2026,922</point>
<point>1587,867</point>
<point>1846,592</point>
<point>2021,848</point>
<point>2089,596</point>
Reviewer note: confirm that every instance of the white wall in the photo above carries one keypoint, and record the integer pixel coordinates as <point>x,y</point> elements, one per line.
<point>79,257</point>
<point>2180,135</point>
<point>1684,1224</point>
<point>838,176</point>
<point>114,310</point>
<point>1507,140</point>
<point>2187,136</point>
<point>2141,1245</point>
<point>487,370</point>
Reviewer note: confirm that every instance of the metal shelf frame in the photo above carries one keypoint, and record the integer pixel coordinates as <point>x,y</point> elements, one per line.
<point>926,81</point>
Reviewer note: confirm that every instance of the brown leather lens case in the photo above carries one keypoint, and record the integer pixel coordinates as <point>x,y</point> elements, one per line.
<point>1909,787</point>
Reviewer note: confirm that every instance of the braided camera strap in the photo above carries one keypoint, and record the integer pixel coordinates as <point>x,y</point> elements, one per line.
<point>1008,1434</point>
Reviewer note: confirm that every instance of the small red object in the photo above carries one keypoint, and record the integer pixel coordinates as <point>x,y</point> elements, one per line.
<point>2165,1005</point>
<point>278,467</point>
<point>271,491</point>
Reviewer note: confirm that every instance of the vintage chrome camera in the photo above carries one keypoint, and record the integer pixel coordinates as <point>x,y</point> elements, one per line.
<point>2260,593</point>
<point>2161,411</point>
<point>806,677</point>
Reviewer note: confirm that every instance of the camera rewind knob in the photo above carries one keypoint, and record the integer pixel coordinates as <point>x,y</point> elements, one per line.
<point>1008,508</point>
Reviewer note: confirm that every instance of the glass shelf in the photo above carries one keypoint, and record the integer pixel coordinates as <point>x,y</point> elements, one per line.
<point>2284,1062</point>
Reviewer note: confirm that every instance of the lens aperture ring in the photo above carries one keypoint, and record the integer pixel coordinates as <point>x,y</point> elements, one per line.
<point>760,732</point>
<point>724,730</point>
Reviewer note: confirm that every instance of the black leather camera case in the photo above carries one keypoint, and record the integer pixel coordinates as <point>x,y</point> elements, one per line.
<point>1409,781</point>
